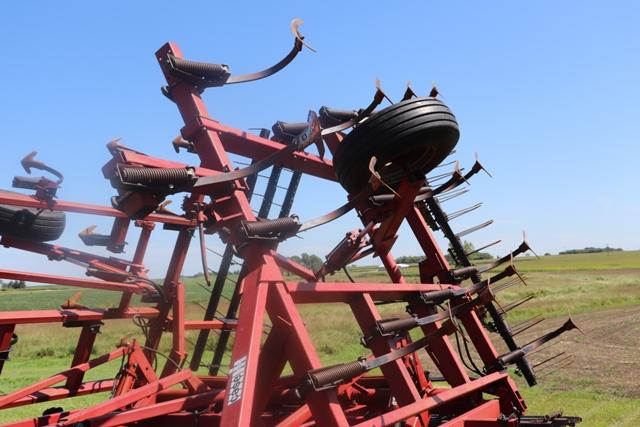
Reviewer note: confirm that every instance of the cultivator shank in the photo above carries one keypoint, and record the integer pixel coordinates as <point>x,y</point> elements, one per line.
<point>410,372</point>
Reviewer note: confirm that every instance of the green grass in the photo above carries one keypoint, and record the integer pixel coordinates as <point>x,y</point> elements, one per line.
<point>562,284</point>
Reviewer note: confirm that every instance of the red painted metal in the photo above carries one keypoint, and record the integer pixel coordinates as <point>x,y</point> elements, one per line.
<point>255,390</point>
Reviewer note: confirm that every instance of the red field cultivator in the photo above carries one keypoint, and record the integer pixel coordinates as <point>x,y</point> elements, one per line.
<point>381,157</point>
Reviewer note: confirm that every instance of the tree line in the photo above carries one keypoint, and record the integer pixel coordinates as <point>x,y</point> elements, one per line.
<point>13,284</point>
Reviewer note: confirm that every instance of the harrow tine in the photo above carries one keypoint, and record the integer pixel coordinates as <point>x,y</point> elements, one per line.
<point>456,179</point>
<point>220,255</point>
<point>558,365</point>
<point>506,285</point>
<point>475,228</point>
<point>482,248</point>
<point>567,326</point>
<point>519,324</point>
<point>451,195</point>
<point>524,247</point>
<point>459,213</point>
<point>517,354</point>
<point>520,330</point>
<point>439,177</point>
<point>441,165</point>
<point>515,304</point>
<point>549,359</point>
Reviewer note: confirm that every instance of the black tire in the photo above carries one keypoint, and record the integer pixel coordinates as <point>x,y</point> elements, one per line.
<point>414,135</point>
<point>41,225</point>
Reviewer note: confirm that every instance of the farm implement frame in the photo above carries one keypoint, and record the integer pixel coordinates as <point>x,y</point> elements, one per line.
<point>392,385</point>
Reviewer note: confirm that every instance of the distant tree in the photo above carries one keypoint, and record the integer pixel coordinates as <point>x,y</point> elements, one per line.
<point>14,284</point>
<point>311,261</point>
<point>410,259</point>
<point>589,250</point>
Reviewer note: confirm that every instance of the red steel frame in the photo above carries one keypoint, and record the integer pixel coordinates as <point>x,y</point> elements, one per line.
<point>255,392</point>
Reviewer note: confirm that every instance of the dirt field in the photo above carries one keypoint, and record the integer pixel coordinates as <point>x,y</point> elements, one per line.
<point>605,359</point>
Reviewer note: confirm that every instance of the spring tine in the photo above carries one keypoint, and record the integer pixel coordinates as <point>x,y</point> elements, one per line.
<point>524,328</point>
<point>241,163</point>
<point>483,248</point>
<point>513,305</point>
<point>475,228</point>
<point>550,359</point>
<point>459,213</point>
<point>451,153</point>
<point>451,195</point>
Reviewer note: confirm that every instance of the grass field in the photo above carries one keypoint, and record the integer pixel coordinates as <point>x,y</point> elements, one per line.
<point>601,291</point>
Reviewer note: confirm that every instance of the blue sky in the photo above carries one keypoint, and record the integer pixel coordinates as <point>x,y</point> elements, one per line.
<point>544,91</point>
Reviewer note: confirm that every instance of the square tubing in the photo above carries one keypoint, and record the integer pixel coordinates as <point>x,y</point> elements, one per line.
<point>82,354</point>
<point>6,335</point>
<point>396,373</point>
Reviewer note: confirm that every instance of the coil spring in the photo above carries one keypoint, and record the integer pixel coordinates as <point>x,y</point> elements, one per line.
<point>156,176</point>
<point>272,227</point>
<point>392,326</point>
<point>335,374</point>
<point>201,69</point>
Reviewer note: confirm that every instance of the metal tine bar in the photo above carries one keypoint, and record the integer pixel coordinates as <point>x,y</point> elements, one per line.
<point>475,228</point>
<point>483,248</point>
<point>513,305</point>
<point>459,213</point>
<point>206,288</point>
<point>558,365</point>
<point>455,181</point>
<point>502,286</point>
<point>524,328</point>
<point>221,255</point>
<point>227,279</point>
<point>477,167</point>
<point>517,325</point>
<point>544,348</point>
<point>452,195</point>
<point>441,165</point>
<point>524,247</point>
<point>550,359</point>
<point>219,313</point>
<point>567,326</point>
<point>442,175</point>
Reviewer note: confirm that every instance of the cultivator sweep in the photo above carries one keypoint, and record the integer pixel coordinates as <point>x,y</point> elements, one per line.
<point>274,376</point>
